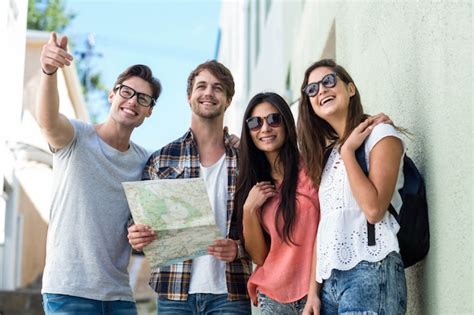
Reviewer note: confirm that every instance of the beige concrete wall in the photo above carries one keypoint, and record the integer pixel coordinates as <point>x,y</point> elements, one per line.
<point>34,240</point>
<point>413,61</point>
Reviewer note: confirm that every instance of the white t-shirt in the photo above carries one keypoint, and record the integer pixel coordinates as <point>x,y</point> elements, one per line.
<point>342,232</point>
<point>208,272</point>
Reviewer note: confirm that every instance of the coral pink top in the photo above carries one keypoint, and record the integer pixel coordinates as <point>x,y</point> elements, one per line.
<point>284,276</point>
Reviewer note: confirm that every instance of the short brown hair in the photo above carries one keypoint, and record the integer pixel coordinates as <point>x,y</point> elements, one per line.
<point>143,72</point>
<point>218,70</point>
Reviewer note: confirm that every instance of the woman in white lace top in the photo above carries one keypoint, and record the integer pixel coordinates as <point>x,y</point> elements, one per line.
<point>352,273</point>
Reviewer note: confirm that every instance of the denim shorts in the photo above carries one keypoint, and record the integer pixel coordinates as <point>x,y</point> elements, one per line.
<point>72,305</point>
<point>268,306</point>
<point>368,288</point>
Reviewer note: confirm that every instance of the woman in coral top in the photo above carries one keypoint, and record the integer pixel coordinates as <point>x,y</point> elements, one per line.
<point>276,206</point>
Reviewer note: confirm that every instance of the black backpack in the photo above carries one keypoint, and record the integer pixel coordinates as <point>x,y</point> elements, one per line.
<point>414,233</point>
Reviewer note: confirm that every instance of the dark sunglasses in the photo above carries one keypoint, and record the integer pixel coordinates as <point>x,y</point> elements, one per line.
<point>328,81</point>
<point>255,123</point>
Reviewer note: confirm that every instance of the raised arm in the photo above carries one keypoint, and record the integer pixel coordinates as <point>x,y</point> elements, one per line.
<point>255,243</point>
<point>56,127</point>
<point>375,192</point>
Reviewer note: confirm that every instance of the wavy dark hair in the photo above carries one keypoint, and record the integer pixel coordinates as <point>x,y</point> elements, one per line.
<point>315,135</point>
<point>254,167</point>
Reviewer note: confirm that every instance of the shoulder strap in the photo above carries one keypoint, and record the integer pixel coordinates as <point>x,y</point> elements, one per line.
<point>327,153</point>
<point>360,157</point>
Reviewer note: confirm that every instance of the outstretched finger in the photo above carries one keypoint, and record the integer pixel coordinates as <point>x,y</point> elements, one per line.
<point>53,40</point>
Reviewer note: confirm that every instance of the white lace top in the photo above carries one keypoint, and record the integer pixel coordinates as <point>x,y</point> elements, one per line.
<point>342,232</point>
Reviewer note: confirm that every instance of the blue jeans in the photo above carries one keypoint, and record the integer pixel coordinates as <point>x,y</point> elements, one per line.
<point>368,288</point>
<point>203,303</point>
<point>60,304</point>
<point>268,306</point>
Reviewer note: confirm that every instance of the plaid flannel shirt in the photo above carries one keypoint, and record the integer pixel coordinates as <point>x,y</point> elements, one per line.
<point>180,159</point>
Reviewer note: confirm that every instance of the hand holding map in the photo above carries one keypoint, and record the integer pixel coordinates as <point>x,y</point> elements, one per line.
<point>139,236</point>
<point>224,249</point>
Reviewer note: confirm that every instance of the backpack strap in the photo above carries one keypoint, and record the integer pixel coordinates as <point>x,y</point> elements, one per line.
<point>360,157</point>
<point>327,153</point>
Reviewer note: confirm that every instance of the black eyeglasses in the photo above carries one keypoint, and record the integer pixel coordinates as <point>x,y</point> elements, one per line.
<point>142,99</point>
<point>255,123</point>
<point>328,81</point>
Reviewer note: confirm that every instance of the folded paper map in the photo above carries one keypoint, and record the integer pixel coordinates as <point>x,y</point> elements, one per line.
<point>180,213</point>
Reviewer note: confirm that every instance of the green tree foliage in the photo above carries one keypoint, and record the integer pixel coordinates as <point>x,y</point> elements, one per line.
<point>49,15</point>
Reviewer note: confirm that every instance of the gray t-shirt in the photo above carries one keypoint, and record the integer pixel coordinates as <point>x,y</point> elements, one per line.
<point>87,247</point>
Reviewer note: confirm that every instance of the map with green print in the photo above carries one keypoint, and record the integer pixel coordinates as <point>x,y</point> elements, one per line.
<point>180,213</point>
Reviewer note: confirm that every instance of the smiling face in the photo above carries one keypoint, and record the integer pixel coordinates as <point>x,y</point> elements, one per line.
<point>208,98</point>
<point>267,139</point>
<point>128,112</point>
<point>330,102</point>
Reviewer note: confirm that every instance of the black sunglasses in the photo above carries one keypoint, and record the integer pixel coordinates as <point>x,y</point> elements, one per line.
<point>255,123</point>
<point>328,81</point>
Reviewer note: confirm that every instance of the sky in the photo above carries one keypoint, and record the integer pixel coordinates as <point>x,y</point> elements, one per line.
<point>170,36</point>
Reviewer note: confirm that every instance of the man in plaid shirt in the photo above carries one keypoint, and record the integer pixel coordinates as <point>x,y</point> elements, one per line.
<point>216,282</point>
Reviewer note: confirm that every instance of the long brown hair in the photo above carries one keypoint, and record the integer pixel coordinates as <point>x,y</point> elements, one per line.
<point>254,167</point>
<point>315,135</point>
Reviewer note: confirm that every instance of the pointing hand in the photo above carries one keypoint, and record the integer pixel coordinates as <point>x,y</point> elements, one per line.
<point>54,54</point>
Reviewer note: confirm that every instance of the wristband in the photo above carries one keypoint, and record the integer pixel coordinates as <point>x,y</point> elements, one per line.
<point>49,73</point>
